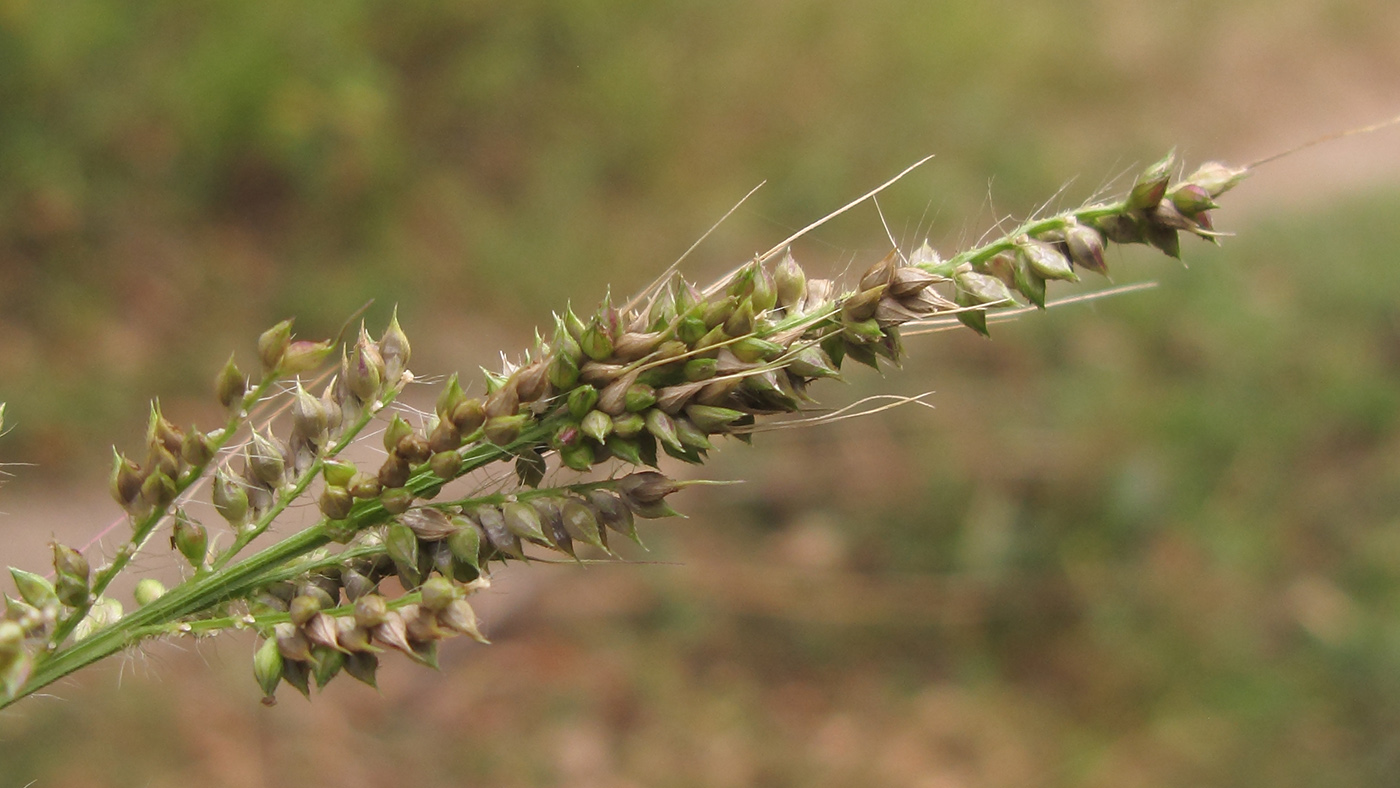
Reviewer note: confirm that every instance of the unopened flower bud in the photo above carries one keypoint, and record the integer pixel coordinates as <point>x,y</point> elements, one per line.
<point>230,385</point>
<point>628,425</point>
<point>523,521</point>
<point>503,430</point>
<point>160,460</point>
<point>363,370</point>
<point>697,369</point>
<point>982,289</point>
<point>1151,185</point>
<point>1045,260</point>
<point>335,502</point>
<point>740,321</point>
<point>396,500</point>
<point>596,342</point>
<point>662,427</point>
<point>504,400</point>
<point>364,486</point>
<point>908,280</point>
<point>750,349</point>
<point>458,616</point>
<point>861,306</point>
<point>309,417</point>
<point>647,486</point>
<point>1191,198</point>
<point>493,524</point>
<point>878,275</point>
<point>397,430</point>
<point>304,355</point>
<point>126,480</point>
<point>613,513</point>
<point>596,425</point>
<point>395,471</point>
<point>272,346</point>
<point>302,608</point>
<point>581,523</point>
<point>465,542</point>
<point>532,381</point>
<point>1217,178</point>
<point>439,592</point>
<point>450,397</point>
<point>764,295</point>
<point>197,449</point>
<point>230,499</point>
<point>691,436</point>
<point>563,372</point>
<point>291,642</point>
<point>790,282</point>
<point>148,590</point>
<point>266,461</point>
<point>468,416</point>
<point>394,350</point>
<point>578,456</point>
<point>158,490</point>
<point>394,633</point>
<point>712,419</point>
<point>429,525</point>
<point>33,588</point>
<point>1028,282</point>
<point>72,573</point>
<point>267,669</point>
<point>190,539</point>
<point>414,449</point>
<point>1085,247</point>
<point>446,465</point>
<point>582,400</point>
<point>370,611</point>
<point>161,432</point>
<point>401,545</point>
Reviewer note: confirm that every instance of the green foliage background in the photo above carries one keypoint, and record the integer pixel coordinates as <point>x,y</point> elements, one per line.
<point>1149,542</point>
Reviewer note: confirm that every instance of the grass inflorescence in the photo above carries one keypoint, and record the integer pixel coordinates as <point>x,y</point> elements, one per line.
<point>394,557</point>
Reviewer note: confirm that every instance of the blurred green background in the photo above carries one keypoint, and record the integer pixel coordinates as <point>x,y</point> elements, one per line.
<point>1150,541</point>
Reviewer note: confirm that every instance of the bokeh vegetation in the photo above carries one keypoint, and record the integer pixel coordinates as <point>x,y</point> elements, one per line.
<point>1150,542</point>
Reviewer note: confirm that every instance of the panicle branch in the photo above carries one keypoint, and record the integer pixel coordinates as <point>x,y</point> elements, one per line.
<point>607,394</point>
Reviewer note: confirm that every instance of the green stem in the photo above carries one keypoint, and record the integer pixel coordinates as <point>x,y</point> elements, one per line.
<point>182,601</point>
<point>1034,227</point>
